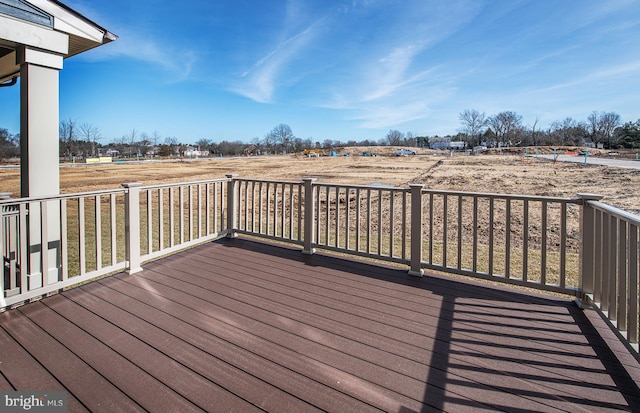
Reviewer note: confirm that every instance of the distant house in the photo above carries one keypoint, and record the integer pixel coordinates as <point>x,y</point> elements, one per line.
<point>447,144</point>
<point>193,152</point>
<point>114,153</point>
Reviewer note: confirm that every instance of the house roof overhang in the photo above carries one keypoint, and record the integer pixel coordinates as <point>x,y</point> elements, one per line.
<point>47,25</point>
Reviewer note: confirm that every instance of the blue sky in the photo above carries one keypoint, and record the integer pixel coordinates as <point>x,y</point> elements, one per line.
<point>353,69</point>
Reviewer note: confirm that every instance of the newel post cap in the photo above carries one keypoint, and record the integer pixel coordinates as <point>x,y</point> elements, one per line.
<point>590,197</point>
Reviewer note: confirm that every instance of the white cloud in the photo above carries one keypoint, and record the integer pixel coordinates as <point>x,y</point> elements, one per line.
<point>176,62</point>
<point>260,82</point>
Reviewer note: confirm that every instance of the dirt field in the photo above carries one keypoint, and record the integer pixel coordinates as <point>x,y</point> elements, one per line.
<point>484,173</point>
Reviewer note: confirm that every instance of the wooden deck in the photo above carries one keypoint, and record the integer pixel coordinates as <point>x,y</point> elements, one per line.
<point>239,325</point>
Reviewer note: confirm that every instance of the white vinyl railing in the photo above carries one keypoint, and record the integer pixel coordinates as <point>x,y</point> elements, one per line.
<point>610,265</point>
<point>576,246</point>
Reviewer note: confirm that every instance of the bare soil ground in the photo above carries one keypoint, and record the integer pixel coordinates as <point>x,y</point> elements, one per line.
<point>510,174</point>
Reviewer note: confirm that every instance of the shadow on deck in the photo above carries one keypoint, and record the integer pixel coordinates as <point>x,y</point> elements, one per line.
<point>240,325</point>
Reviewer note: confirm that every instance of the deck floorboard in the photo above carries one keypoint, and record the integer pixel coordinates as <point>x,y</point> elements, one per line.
<point>244,325</point>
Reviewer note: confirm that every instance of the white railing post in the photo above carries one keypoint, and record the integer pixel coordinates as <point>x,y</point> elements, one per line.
<point>309,216</point>
<point>416,230</point>
<point>232,201</point>
<point>587,245</point>
<point>132,226</point>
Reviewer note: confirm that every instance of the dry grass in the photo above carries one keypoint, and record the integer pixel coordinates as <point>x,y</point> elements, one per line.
<point>486,173</point>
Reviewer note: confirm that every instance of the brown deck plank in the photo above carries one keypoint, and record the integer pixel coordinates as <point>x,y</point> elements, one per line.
<point>201,287</point>
<point>520,356</point>
<point>23,372</point>
<point>141,320</point>
<point>88,343</point>
<point>228,326</point>
<point>66,367</point>
<point>415,370</point>
<point>250,325</point>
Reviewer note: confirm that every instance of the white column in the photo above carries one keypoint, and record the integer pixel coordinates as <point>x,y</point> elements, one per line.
<point>39,164</point>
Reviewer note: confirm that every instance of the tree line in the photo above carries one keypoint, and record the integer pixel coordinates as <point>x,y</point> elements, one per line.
<point>506,129</point>
<point>81,140</point>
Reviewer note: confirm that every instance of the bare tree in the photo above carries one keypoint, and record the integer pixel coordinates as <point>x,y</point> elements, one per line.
<point>593,122</point>
<point>608,123</point>
<point>67,133</point>
<point>535,133</point>
<point>8,145</point>
<point>204,144</point>
<point>395,138</point>
<point>507,127</point>
<point>283,137</point>
<point>473,123</point>
<point>155,138</point>
<point>601,127</point>
<point>91,134</point>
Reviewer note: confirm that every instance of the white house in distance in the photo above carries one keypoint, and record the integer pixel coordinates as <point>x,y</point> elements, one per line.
<point>35,37</point>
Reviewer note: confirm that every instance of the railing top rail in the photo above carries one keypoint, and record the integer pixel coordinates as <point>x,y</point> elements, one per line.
<point>177,184</point>
<point>519,197</point>
<point>14,201</point>
<point>271,181</point>
<point>389,187</point>
<point>616,212</point>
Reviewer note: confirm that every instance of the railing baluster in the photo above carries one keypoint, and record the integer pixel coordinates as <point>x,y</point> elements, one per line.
<point>337,218</point>
<point>459,236</point>
<point>253,206</point>
<point>172,225</point>
<point>474,266</point>
<point>190,214</point>
<point>161,219</point>
<point>149,222</point>
<point>327,213</point>
<point>543,248</point>
<point>300,201</point>
<point>81,237</point>
<point>260,208</point>
<point>207,207</point>
<point>291,211</point>
<point>283,210</point>
<point>598,257</point>
<point>347,240</point>
<point>507,242</point>
<point>379,251</point>
<point>525,240</point>
<point>275,210</point>
<point>317,215</point>
<point>612,272</point>
<point>358,232</point>
<point>622,287</point>
<point>64,243</point>
<point>563,245</point>
<point>633,322</point>
<point>268,211</point>
<point>112,221</point>
<point>181,213</point>
<point>606,262</point>
<point>199,217</point>
<point>24,249</point>
<point>217,207</point>
<point>368,223</point>
<point>491,224</point>
<point>98,223</point>
<point>44,243</point>
<point>445,235</point>
<point>245,205</point>
<point>431,228</point>
<point>404,225</point>
<point>391,221</point>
